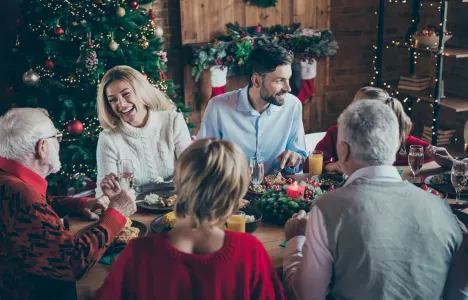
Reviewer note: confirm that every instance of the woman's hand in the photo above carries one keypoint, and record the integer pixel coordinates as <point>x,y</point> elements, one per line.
<point>440,155</point>
<point>333,167</point>
<point>110,185</point>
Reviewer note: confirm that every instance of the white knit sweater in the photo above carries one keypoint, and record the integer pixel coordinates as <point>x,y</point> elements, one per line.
<point>153,149</point>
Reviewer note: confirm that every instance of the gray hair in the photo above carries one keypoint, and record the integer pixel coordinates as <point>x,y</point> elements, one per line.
<point>371,130</point>
<point>20,130</point>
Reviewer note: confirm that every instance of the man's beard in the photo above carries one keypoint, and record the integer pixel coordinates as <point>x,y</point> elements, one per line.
<point>54,162</point>
<point>272,98</point>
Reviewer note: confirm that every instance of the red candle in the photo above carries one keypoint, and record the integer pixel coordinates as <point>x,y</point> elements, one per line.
<point>295,190</point>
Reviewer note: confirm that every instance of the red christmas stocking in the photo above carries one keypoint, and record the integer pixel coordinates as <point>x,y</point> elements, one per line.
<point>218,80</point>
<point>308,73</point>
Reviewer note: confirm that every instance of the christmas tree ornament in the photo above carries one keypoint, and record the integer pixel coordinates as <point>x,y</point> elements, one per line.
<point>120,11</point>
<point>113,46</point>
<point>49,64</point>
<point>143,43</point>
<point>75,128</point>
<point>91,61</point>
<point>158,32</point>
<point>58,31</point>
<point>151,14</point>
<point>98,1</point>
<point>258,28</point>
<point>31,78</point>
<point>308,73</point>
<point>144,75</point>
<point>134,4</point>
<point>218,80</point>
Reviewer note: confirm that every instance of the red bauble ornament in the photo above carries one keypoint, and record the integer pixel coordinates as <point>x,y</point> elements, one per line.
<point>49,64</point>
<point>151,14</point>
<point>134,4</point>
<point>58,30</point>
<point>258,28</point>
<point>75,128</point>
<point>145,75</point>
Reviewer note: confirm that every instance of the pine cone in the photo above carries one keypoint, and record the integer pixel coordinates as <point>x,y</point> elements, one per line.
<point>91,61</point>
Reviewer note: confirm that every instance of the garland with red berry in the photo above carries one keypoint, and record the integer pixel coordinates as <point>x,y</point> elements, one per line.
<point>277,207</point>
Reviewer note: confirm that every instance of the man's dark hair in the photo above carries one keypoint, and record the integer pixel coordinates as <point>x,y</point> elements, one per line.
<point>267,58</point>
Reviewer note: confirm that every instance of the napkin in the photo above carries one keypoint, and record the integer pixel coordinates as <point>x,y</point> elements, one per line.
<point>107,260</point>
<point>400,171</point>
<point>283,244</point>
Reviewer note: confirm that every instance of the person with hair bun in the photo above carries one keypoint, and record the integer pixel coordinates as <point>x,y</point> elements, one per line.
<point>328,144</point>
<point>197,258</point>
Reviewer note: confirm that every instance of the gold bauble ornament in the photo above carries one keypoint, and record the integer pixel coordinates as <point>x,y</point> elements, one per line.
<point>31,78</point>
<point>120,11</point>
<point>113,46</point>
<point>143,42</point>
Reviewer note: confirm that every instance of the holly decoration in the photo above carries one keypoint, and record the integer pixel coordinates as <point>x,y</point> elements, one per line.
<point>58,31</point>
<point>277,208</point>
<point>75,128</point>
<point>49,64</point>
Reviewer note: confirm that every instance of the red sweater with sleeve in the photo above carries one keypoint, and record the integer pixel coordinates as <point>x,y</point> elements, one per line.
<point>328,146</point>
<point>39,258</point>
<point>151,268</point>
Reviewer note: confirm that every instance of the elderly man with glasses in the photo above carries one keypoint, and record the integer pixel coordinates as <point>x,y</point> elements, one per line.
<point>39,258</point>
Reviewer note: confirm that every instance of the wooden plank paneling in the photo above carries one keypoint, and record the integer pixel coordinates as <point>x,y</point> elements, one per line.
<point>202,20</point>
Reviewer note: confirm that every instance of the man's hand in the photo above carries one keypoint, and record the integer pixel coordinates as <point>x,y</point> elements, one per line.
<point>296,225</point>
<point>110,185</point>
<point>288,158</point>
<point>93,207</point>
<point>333,167</point>
<point>124,202</point>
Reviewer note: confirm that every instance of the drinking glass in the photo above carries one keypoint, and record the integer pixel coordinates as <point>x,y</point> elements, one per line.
<point>125,170</point>
<point>315,162</point>
<point>257,170</point>
<point>416,159</point>
<point>236,222</point>
<point>459,176</point>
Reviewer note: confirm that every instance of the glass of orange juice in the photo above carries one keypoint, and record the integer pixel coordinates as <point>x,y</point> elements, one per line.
<point>315,162</point>
<point>236,222</point>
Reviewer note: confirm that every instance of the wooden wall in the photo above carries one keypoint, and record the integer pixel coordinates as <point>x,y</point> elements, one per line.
<point>201,20</point>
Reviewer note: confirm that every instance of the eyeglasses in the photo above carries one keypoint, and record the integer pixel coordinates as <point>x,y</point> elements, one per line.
<point>59,137</point>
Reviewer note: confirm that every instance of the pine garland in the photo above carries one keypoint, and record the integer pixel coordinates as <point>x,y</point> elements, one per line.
<point>262,3</point>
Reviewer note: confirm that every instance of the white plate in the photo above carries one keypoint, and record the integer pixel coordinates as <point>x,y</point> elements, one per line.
<point>429,178</point>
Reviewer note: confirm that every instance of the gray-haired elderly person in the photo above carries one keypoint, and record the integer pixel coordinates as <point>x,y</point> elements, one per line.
<point>39,258</point>
<point>377,237</point>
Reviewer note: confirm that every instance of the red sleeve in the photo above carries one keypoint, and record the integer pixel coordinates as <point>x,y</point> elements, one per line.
<point>267,285</point>
<point>411,140</point>
<point>37,237</point>
<point>67,205</point>
<point>328,146</point>
<point>115,286</point>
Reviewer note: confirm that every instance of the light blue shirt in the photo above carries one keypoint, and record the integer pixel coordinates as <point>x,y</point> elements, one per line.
<point>231,117</point>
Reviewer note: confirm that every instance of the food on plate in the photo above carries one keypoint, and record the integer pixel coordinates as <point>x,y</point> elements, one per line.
<point>127,234</point>
<point>243,203</point>
<point>169,220</point>
<point>155,199</point>
<point>440,179</point>
<point>257,189</point>
<point>249,219</point>
<point>274,179</point>
<point>328,181</point>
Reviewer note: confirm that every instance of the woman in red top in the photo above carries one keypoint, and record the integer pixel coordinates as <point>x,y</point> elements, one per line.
<point>328,144</point>
<point>197,259</point>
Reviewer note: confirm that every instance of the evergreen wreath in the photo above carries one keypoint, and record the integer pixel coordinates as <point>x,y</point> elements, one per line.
<point>262,3</point>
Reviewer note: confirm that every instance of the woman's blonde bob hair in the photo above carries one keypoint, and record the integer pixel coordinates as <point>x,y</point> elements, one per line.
<point>152,97</point>
<point>211,177</point>
<point>404,122</point>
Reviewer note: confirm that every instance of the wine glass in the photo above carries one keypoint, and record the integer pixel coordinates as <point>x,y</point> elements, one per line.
<point>125,170</point>
<point>416,159</point>
<point>459,176</point>
<point>257,171</point>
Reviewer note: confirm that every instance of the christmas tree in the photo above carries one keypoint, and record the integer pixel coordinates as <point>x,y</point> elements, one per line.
<point>63,49</point>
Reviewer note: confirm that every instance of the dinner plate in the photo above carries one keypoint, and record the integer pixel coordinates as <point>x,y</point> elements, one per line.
<point>116,247</point>
<point>162,192</point>
<point>447,188</point>
<point>156,225</point>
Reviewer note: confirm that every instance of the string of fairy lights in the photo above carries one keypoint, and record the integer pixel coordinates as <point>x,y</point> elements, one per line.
<point>410,45</point>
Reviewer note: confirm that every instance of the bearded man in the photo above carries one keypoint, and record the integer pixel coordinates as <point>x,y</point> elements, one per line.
<point>263,118</point>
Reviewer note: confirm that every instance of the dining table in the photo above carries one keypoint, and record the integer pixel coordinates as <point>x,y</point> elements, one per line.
<point>272,236</point>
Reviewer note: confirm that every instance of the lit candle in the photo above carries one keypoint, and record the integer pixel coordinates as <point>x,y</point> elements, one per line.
<point>295,190</point>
